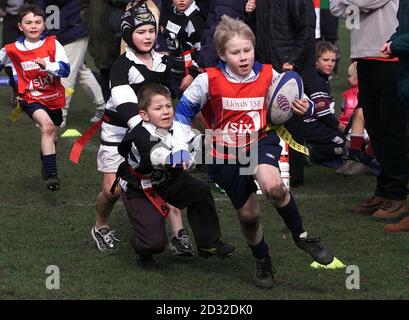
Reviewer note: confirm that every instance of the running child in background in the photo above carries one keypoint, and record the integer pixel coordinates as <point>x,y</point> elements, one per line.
<point>40,62</point>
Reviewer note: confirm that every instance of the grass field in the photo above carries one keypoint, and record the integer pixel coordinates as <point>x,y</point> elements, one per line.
<point>40,228</point>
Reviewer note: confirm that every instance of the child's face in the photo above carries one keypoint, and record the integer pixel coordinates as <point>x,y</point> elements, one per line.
<point>239,55</point>
<point>32,26</point>
<point>144,37</point>
<point>159,112</point>
<point>352,80</point>
<point>326,62</point>
<point>182,5</point>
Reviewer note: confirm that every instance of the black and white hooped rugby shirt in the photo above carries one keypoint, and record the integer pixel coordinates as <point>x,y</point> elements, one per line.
<point>128,75</point>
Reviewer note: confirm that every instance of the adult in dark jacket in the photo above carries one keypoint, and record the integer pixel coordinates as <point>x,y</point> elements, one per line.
<point>398,45</point>
<point>285,38</point>
<point>71,27</point>
<point>9,10</point>
<point>104,44</point>
<point>233,8</point>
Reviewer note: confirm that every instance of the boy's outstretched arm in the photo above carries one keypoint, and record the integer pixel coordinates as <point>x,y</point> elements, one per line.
<point>192,101</point>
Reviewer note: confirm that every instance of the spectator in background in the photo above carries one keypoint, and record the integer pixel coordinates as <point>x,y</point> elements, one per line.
<point>398,45</point>
<point>166,9</point>
<point>9,10</point>
<point>329,32</point>
<point>349,96</point>
<point>385,114</point>
<point>182,33</point>
<point>104,36</point>
<point>325,134</point>
<point>360,151</point>
<point>361,156</point>
<point>327,28</point>
<point>233,8</point>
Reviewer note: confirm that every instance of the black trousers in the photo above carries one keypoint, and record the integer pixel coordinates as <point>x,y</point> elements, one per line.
<point>326,142</point>
<point>386,120</point>
<point>149,232</point>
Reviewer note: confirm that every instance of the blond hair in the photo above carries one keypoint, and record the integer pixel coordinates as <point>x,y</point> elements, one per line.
<point>352,69</point>
<point>229,28</point>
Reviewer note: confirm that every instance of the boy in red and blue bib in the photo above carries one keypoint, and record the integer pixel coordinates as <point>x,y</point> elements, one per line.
<point>40,62</point>
<point>232,98</point>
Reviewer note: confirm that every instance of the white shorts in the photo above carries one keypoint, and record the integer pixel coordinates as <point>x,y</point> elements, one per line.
<point>108,159</point>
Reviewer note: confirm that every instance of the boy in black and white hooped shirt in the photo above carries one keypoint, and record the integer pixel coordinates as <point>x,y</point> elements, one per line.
<point>183,32</point>
<point>149,184</point>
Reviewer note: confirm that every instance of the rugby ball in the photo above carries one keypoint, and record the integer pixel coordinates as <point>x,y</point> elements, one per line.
<point>280,95</point>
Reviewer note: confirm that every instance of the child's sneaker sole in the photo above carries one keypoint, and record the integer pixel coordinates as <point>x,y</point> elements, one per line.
<point>101,243</point>
<point>53,183</point>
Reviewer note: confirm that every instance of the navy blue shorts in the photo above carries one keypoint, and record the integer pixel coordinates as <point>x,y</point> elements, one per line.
<point>238,186</point>
<point>30,108</point>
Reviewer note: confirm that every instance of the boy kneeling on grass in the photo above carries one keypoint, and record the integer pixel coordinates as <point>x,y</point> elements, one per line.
<point>40,62</point>
<point>149,183</point>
